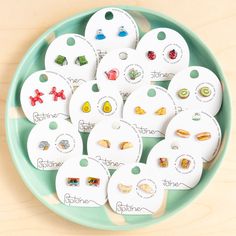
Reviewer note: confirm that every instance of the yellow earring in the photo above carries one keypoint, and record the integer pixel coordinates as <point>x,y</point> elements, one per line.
<point>86,108</point>
<point>161,111</point>
<point>125,145</point>
<point>203,136</point>
<point>138,110</point>
<point>107,108</point>
<point>104,143</point>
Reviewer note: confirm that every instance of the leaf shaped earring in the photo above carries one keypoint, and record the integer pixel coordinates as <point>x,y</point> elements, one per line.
<point>122,32</point>
<point>100,35</point>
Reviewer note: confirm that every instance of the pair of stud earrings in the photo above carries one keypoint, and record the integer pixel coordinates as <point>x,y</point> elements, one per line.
<point>172,54</point>
<point>106,107</point>
<point>75,182</point>
<point>128,188</point>
<point>121,33</point>
<point>203,136</point>
<point>140,111</point>
<point>38,94</point>
<point>204,92</point>
<point>107,144</point>
<point>184,163</point>
<point>63,144</point>
<point>62,61</point>
<point>113,74</point>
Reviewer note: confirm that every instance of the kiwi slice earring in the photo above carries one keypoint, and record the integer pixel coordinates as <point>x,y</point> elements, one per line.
<point>205,91</point>
<point>183,93</point>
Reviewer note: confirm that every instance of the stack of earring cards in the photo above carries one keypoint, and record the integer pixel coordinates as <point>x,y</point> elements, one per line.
<point>106,83</point>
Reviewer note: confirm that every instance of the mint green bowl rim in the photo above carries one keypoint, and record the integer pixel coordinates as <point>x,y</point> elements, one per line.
<point>80,220</point>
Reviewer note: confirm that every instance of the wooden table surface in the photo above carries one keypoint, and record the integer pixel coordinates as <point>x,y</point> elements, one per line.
<point>22,22</point>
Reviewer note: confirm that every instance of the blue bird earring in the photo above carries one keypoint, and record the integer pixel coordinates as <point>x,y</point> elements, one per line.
<point>122,32</point>
<point>100,35</point>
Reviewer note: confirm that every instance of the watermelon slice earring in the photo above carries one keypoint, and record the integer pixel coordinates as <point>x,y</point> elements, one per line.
<point>122,32</point>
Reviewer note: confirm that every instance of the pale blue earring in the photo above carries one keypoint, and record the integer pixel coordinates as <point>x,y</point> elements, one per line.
<point>122,32</point>
<point>100,35</point>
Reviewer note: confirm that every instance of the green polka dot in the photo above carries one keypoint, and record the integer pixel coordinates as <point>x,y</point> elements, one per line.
<point>95,88</point>
<point>43,78</point>
<point>151,93</point>
<point>53,125</point>
<point>194,74</point>
<point>70,41</point>
<point>83,162</point>
<point>161,35</point>
<point>135,170</point>
<point>109,15</point>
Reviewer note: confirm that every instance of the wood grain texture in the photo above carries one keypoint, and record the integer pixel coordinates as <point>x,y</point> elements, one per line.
<point>22,22</point>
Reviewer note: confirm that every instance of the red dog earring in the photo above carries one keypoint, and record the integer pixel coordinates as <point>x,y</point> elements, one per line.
<point>36,98</point>
<point>57,95</point>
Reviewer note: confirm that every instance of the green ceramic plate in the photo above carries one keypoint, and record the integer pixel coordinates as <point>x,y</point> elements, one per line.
<point>41,183</point>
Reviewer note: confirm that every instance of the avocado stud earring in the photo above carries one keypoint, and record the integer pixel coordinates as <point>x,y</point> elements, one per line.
<point>86,107</point>
<point>122,32</point>
<point>100,35</point>
<point>107,108</point>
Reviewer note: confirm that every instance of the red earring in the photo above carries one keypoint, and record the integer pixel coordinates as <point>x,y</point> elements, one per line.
<point>151,55</point>
<point>172,54</point>
<point>36,98</point>
<point>57,94</point>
